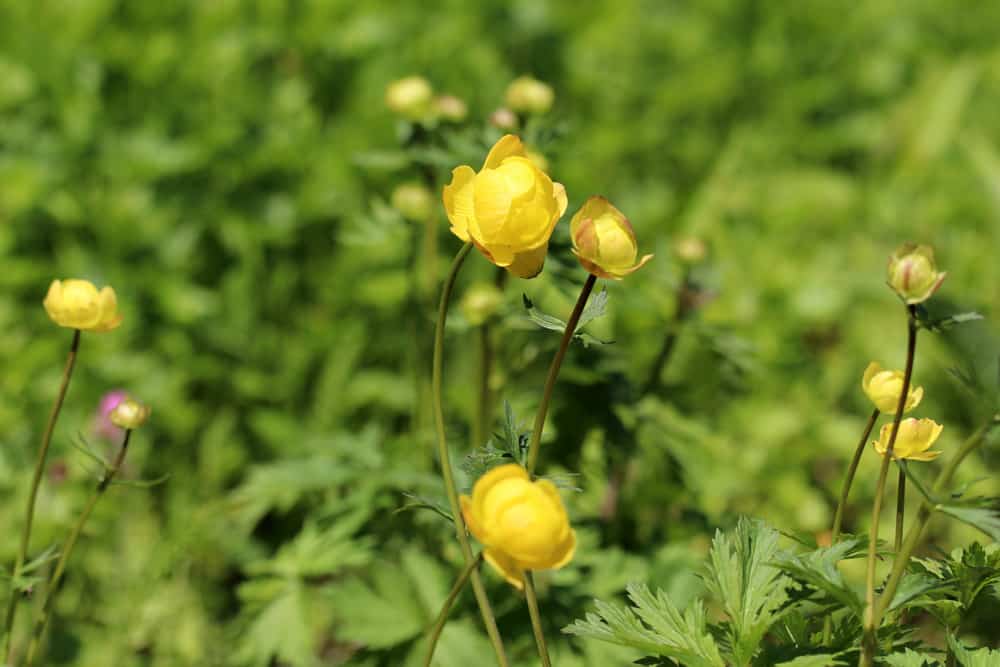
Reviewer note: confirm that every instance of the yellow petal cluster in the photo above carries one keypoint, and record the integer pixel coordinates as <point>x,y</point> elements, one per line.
<point>508,209</point>
<point>604,241</point>
<point>883,387</point>
<point>129,414</point>
<point>915,438</point>
<point>913,273</point>
<point>522,524</point>
<point>410,97</point>
<point>77,304</point>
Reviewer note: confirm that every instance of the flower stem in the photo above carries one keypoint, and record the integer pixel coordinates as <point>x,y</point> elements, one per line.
<point>481,422</point>
<point>838,518</point>
<point>682,311</point>
<point>924,514</point>
<point>449,481</point>
<point>442,618</point>
<point>56,579</point>
<point>868,641</point>
<point>29,514</point>
<point>900,511</point>
<point>550,381</point>
<point>536,619</point>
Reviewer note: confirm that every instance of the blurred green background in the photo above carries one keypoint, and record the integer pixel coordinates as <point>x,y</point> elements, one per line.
<point>227,166</point>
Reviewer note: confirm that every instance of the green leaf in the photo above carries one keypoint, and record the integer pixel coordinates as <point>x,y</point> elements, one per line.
<point>596,307</point>
<point>818,569</point>
<point>281,631</point>
<point>983,657</point>
<point>752,590</point>
<point>815,660</point>
<point>909,658</point>
<point>983,515</point>
<point>551,323</point>
<point>939,324</point>
<point>653,625</point>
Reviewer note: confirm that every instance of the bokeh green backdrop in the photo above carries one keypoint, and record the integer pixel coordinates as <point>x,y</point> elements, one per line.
<point>216,162</point>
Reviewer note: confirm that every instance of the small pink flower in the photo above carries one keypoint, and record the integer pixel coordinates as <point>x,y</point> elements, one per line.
<point>103,428</point>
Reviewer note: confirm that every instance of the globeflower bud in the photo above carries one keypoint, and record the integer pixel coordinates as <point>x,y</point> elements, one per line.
<point>102,419</point>
<point>913,273</point>
<point>410,97</point>
<point>413,201</point>
<point>883,387</point>
<point>504,119</point>
<point>915,438</point>
<point>522,524</point>
<point>527,94</point>
<point>604,241</point>
<point>129,414</point>
<point>77,304</point>
<point>481,301</point>
<point>691,250</point>
<point>450,108</point>
<point>508,209</point>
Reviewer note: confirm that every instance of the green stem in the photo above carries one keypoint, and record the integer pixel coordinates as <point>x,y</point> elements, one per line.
<point>74,536</point>
<point>550,381</point>
<point>900,511</point>
<point>681,312</point>
<point>536,619</point>
<point>449,602</point>
<point>868,641</point>
<point>838,518</point>
<point>29,514</point>
<point>449,481</point>
<point>924,514</point>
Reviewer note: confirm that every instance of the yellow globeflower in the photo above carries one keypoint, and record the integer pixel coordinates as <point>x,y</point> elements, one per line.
<point>522,524</point>
<point>129,414</point>
<point>883,387</point>
<point>528,94</point>
<point>77,304</point>
<point>508,209</point>
<point>915,437</point>
<point>604,241</point>
<point>411,97</point>
<point>913,273</point>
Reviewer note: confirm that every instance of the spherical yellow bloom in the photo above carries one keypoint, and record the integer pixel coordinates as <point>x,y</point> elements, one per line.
<point>915,437</point>
<point>77,304</point>
<point>913,273</point>
<point>129,414</point>
<point>604,241</point>
<point>883,387</point>
<point>410,97</point>
<point>481,302</point>
<point>522,524</point>
<point>508,209</point>
<point>450,108</point>
<point>414,201</point>
<point>529,95</point>
<point>691,250</point>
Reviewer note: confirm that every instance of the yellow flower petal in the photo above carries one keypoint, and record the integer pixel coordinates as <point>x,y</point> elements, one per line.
<point>509,145</point>
<point>458,200</point>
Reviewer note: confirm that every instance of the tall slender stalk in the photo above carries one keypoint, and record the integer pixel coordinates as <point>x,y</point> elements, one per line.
<point>897,540</point>
<point>536,619</point>
<point>484,402</point>
<point>29,514</point>
<point>869,640</point>
<point>550,380</point>
<point>489,620</point>
<point>449,602</point>
<point>916,531</point>
<point>838,517</point>
<point>682,311</point>
<point>74,536</point>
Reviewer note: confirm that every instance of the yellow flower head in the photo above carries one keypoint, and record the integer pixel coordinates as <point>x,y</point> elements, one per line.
<point>410,97</point>
<point>915,437</point>
<point>883,387</point>
<point>508,209</point>
<point>604,241</point>
<point>451,108</point>
<point>414,201</point>
<point>913,273</point>
<point>522,524</point>
<point>528,94</point>
<point>129,414</point>
<point>77,304</point>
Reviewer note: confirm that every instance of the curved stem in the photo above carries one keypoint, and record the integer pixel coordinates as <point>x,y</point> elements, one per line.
<point>550,380</point>
<point>924,514</point>
<point>838,518</point>
<point>449,481</point>
<point>74,536</point>
<point>449,602</point>
<point>900,511</point>
<point>536,619</point>
<point>482,419</point>
<point>868,641</point>
<point>29,514</point>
